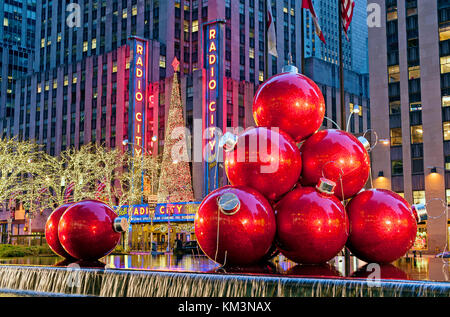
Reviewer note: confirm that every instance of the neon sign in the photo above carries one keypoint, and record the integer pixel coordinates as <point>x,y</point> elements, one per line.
<point>213,101</point>
<point>138,93</point>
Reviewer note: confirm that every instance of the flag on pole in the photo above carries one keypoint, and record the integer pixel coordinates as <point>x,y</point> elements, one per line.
<point>100,187</point>
<point>68,191</point>
<point>347,14</point>
<point>308,5</point>
<point>270,29</point>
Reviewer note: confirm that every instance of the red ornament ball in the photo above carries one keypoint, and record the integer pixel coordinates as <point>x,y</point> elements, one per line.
<point>335,154</point>
<point>51,231</point>
<point>291,102</point>
<point>90,229</point>
<point>382,226</point>
<point>235,225</point>
<point>265,160</point>
<point>312,227</point>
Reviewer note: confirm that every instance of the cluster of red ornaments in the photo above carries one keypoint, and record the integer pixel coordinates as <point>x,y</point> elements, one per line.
<point>87,230</point>
<point>289,196</point>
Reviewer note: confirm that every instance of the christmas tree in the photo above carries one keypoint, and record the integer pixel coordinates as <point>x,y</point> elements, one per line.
<point>175,184</point>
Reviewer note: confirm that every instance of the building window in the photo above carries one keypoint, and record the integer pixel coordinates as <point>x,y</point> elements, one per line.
<point>394,107</point>
<point>401,194</point>
<point>445,64</point>
<point>416,134</point>
<point>447,194</point>
<point>446,129</point>
<point>394,73</point>
<point>396,137</point>
<point>419,197</point>
<point>414,72</point>
<point>397,167</point>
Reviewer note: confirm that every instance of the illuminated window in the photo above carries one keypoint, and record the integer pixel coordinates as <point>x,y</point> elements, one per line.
<point>445,64</point>
<point>414,106</point>
<point>114,69</point>
<point>5,22</point>
<point>134,10</point>
<point>49,42</point>
<point>194,26</point>
<point>58,39</point>
<point>186,26</point>
<point>261,75</point>
<point>47,86</point>
<point>251,52</point>
<point>416,134</point>
<point>55,84</point>
<point>85,46</point>
<point>292,12</point>
<point>446,128</point>
<point>394,73</point>
<point>42,42</point>
<point>74,79</point>
<point>66,80</point>
<point>127,66</point>
<point>39,88</point>
<point>447,194</point>
<point>124,13</point>
<point>285,10</point>
<point>396,136</point>
<point>351,107</point>
<point>414,72</point>
<point>360,111</point>
<point>391,16</point>
<point>447,162</point>
<point>444,33</point>
<point>394,107</point>
<point>94,44</point>
<point>445,101</point>
<point>419,197</point>
<point>162,61</point>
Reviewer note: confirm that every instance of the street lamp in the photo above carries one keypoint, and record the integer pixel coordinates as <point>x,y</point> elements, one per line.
<point>433,169</point>
<point>355,111</point>
<point>384,141</point>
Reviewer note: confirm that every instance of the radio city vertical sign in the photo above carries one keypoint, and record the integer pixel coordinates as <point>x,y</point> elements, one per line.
<point>213,105</point>
<point>138,95</point>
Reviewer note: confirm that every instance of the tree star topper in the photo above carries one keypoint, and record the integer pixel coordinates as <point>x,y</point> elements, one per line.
<point>175,64</point>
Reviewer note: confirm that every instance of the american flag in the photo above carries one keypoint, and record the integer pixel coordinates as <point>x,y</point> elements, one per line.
<point>100,187</point>
<point>271,37</point>
<point>347,13</point>
<point>308,5</point>
<point>68,191</point>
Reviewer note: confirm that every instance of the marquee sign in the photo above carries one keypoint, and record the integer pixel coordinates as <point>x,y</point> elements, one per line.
<point>213,107</point>
<point>138,95</point>
<point>162,213</point>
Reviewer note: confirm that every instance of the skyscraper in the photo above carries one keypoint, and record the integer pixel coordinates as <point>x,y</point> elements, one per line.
<point>410,93</point>
<point>17,28</point>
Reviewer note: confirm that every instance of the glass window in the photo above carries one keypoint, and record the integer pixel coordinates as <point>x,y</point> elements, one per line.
<point>447,194</point>
<point>391,16</point>
<point>444,33</point>
<point>446,130</point>
<point>394,73</point>
<point>396,136</point>
<point>419,196</point>
<point>402,194</point>
<point>416,134</point>
<point>397,167</point>
<point>447,162</point>
<point>445,101</point>
<point>445,64</point>
<point>414,72</point>
<point>394,107</point>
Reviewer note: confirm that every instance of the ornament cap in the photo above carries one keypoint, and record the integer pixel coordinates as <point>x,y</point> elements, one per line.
<point>326,186</point>
<point>228,141</point>
<point>289,69</point>
<point>420,212</point>
<point>364,142</point>
<point>120,225</point>
<point>229,204</point>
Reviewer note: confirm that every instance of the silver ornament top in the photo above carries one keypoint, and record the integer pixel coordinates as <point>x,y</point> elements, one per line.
<point>364,142</point>
<point>228,141</point>
<point>289,69</point>
<point>120,225</point>
<point>326,186</point>
<point>229,204</point>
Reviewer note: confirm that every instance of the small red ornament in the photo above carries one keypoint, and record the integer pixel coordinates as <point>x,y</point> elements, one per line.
<point>321,270</point>
<point>266,160</point>
<point>291,102</point>
<point>90,229</point>
<point>336,154</point>
<point>385,271</point>
<point>245,221</point>
<point>382,226</point>
<point>312,225</point>
<point>51,231</point>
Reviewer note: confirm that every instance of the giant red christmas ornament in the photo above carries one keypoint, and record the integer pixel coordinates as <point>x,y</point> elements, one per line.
<point>51,231</point>
<point>382,226</point>
<point>235,225</point>
<point>312,225</point>
<point>90,229</point>
<point>336,154</point>
<point>264,159</point>
<point>291,102</point>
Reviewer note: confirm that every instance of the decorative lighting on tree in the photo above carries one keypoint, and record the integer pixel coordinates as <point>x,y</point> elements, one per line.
<point>175,183</point>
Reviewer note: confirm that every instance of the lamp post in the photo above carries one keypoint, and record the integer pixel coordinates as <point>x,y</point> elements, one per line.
<point>355,111</point>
